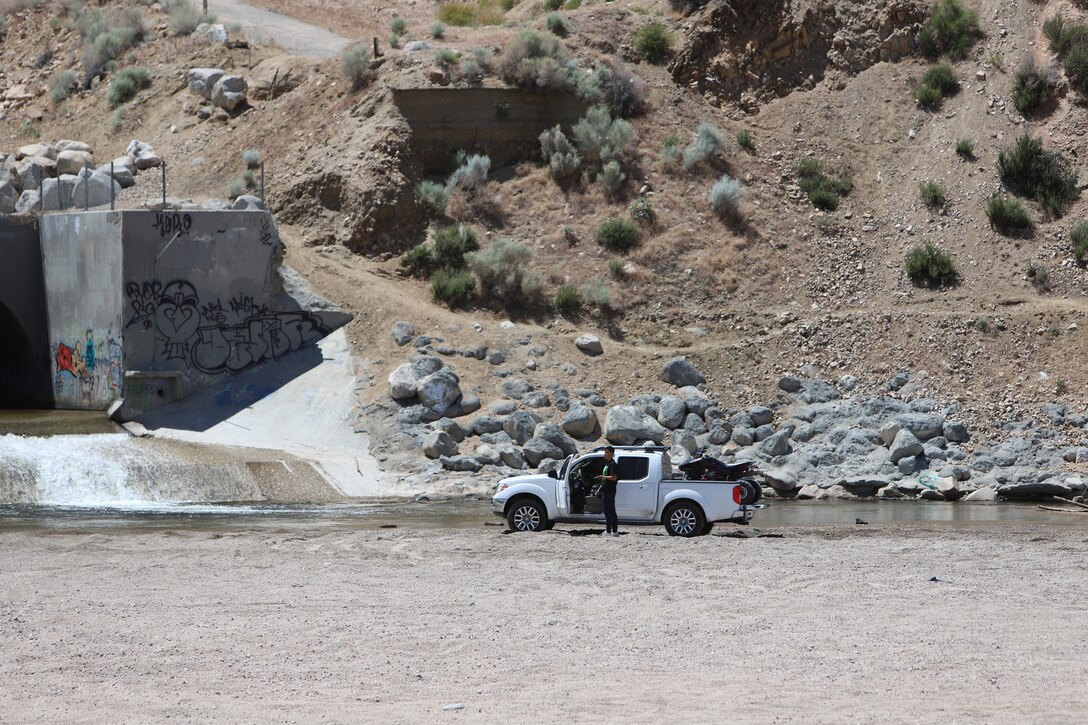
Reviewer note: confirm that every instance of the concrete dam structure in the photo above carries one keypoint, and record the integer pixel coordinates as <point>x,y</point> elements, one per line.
<point>146,307</point>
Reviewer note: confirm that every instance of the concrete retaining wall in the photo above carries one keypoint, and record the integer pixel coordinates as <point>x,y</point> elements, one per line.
<point>504,123</point>
<point>81,263</point>
<point>151,306</point>
<point>24,336</point>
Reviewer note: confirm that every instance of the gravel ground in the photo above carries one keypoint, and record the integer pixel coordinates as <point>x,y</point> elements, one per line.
<point>825,624</point>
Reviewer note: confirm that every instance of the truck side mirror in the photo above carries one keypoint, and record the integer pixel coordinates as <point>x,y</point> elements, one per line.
<point>552,474</point>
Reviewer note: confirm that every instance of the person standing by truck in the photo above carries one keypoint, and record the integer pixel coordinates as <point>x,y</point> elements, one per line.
<point>609,478</point>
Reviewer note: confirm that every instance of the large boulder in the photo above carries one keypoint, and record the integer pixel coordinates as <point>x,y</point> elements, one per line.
<point>9,197</point>
<point>143,155</point>
<point>680,372</point>
<point>33,150</point>
<point>439,390</point>
<point>671,411</point>
<point>203,80</point>
<point>486,424</point>
<point>555,435</point>
<point>696,400</point>
<point>625,425</point>
<point>248,202</point>
<point>580,421</point>
<point>229,92</point>
<point>521,425</point>
<point>72,162</point>
<point>923,425</point>
<point>761,415</point>
<point>983,494</point>
<point>30,202</point>
<point>57,193</point>
<point>439,443</point>
<point>536,450</point>
<point>69,145</point>
<point>215,33</point>
<point>94,188</point>
<point>776,445</point>
<point>123,175</point>
<point>403,380</point>
<point>781,479</point>
<point>590,345</point>
<point>35,169</point>
<point>905,444</point>
<point>956,432</point>
<point>1034,490</point>
<point>403,332</point>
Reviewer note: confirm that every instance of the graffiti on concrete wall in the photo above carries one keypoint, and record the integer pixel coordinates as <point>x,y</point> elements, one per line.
<point>212,336</point>
<point>87,370</point>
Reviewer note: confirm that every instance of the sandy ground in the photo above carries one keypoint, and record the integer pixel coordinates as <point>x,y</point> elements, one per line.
<point>822,625</point>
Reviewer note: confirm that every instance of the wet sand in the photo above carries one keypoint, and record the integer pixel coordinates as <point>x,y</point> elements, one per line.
<point>826,624</point>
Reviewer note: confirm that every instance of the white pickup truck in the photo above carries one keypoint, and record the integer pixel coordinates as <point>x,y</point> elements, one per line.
<point>645,494</point>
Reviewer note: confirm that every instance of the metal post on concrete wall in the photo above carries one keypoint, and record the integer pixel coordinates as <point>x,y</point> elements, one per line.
<point>86,186</point>
<point>164,185</point>
<point>41,196</point>
<point>262,183</point>
<point>112,181</point>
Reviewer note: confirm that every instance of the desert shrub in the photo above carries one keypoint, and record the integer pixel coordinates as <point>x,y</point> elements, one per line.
<point>617,234</point>
<point>707,142</point>
<point>1076,66</point>
<point>452,243</point>
<point>398,25</point>
<point>108,34</point>
<point>1039,276</point>
<point>446,57</point>
<point>670,151</point>
<point>725,195</point>
<point>930,266</point>
<point>613,86</point>
<point>641,210</point>
<point>419,260</point>
<point>611,176</point>
<point>508,5</point>
<point>126,83</point>
<point>951,30</point>
<point>596,293</point>
<point>654,41</point>
<point>184,18</point>
<point>617,268</point>
<point>602,138</point>
<point>479,203</point>
<point>470,73</point>
<point>572,4</point>
<point>461,14</point>
<point>534,60</point>
<point>438,30</point>
<point>568,300</point>
<point>823,191</point>
<point>555,23</point>
<point>746,142</point>
<point>236,188</point>
<point>1078,235</point>
<point>1031,87</point>
<point>471,173</point>
<point>1008,216</point>
<point>928,97</point>
<point>551,5</point>
<point>355,65</point>
<point>504,274</point>
<point>1029,170</point>
<point>61,85</point>
<point>252,158</point>
<point>250,180</point>
<point>1052,30</point>
<point>454,287</point>
<point>965,149</point>
<point>943,79</point>
<point>559,153</point>
<point>933,194</point>
<point>434,195</point>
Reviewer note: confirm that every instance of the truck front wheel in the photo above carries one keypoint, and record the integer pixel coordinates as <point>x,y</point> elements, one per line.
<point>686,519</point>
<point>527,514</point>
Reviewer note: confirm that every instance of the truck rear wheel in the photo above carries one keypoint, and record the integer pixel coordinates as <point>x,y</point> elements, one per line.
<point>527,514</point>
<point>751,492</point>
<point>685,518</point>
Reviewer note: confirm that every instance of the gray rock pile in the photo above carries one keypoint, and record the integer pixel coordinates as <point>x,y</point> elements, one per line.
<point>816,440</point>
<point>215,86</point>
<point>53,177</point>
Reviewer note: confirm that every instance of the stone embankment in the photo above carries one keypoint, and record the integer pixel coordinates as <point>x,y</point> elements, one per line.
<point>816,440</point>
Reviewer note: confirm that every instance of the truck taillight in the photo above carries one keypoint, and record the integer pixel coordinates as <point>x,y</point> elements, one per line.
<point>737,494</point>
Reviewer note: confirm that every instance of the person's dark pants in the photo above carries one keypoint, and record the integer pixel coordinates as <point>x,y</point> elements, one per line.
<point>611,521</point>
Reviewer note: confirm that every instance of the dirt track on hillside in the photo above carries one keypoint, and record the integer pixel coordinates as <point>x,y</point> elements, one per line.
<point>822,625</point>
<point>294,36</point>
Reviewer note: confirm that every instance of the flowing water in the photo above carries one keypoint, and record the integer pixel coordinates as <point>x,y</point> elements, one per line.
<point>90,476</point>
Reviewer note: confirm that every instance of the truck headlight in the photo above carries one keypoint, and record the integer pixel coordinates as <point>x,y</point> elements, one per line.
<point>502,487</point>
